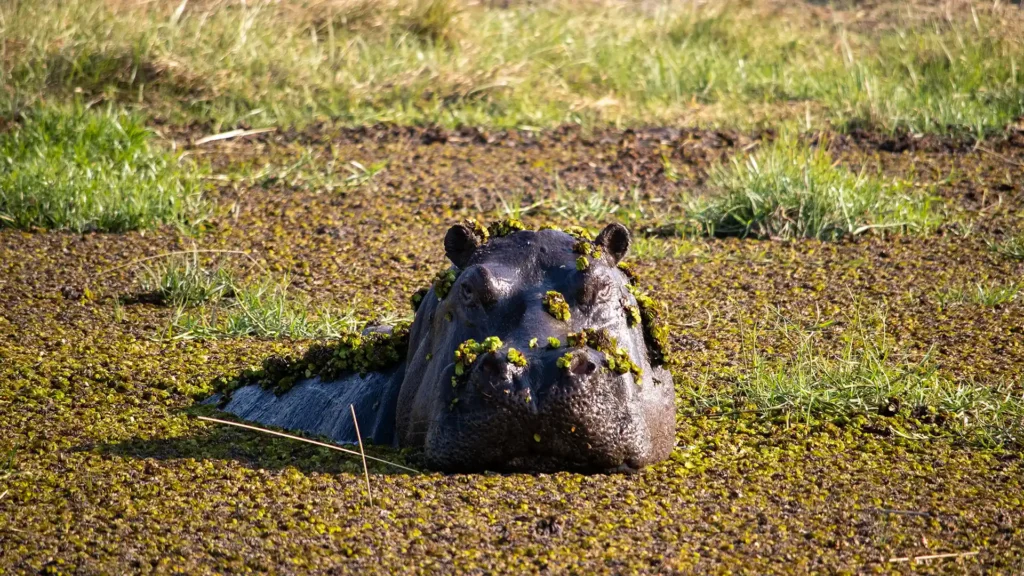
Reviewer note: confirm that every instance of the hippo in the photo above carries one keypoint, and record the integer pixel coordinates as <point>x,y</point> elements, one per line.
<point>535,351</point>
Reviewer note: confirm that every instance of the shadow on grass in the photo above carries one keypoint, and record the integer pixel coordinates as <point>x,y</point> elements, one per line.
<point>251,449</point>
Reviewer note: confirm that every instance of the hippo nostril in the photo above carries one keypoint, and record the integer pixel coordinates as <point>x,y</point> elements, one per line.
<point>492,364</point>
<point>584,367</point>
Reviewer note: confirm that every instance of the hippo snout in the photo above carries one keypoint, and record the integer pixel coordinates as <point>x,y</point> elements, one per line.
<point>545,380</point>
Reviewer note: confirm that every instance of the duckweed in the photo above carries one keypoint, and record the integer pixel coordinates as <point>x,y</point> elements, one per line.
<point>101,464</point>
<point>505,227</point>
<point>556,305</point>
<point>467,352</point>
<point>443,282</point>
<point>516,358</point>
<point>580,232</point>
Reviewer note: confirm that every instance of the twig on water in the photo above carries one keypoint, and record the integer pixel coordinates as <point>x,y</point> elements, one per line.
<point>918,559</point>
<point>359,437</point>
<point>307,440</point>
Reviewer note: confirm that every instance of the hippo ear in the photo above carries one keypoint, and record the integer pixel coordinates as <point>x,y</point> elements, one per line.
<point>459,244</point>
<point>615,240</point>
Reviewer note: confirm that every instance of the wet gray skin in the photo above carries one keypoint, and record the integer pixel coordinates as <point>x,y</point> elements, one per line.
<point>498,415</point>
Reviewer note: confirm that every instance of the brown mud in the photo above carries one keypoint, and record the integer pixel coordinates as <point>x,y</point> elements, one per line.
<point>102,470</point>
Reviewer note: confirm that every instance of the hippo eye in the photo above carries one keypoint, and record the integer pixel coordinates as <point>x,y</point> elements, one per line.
<point>476,287</point>
<point>596,289</point>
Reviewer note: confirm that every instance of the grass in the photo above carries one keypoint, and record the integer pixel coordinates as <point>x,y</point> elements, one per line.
<point>451,63</point>
<point>181,281</point>
<point>1012,248</point>
<point>81,170</point>
<point>213,301</point>
<point>311,172</point>
<point>864,374</point>
<point>979,294</point>
<point>789,190</point>
<point>263,309</point>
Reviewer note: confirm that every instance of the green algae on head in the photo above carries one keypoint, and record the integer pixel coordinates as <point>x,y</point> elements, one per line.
<point>655,331</point>
<point>580,232</point>
<point>443,282</point>
<point>617,358</point>
<point>477,229</point>
<point>516,358</point>
<point>467,352</point>
<point>632,315</point>
<point>350,352</point>
<point>556,305</point>
<point>417,297</point>
<point>505,227</point>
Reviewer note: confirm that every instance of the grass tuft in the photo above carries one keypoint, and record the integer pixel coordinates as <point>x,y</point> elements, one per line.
<point>1012,248</point>
<point>865,376</point>
<point>182,281</point>
<point>980,294</point>
<point>435,20</point>
<point>789,190</point>
<point>263,309</point>
<point>87,171</point>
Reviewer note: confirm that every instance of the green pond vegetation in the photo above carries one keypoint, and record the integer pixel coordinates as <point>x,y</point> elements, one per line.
<point>826,199</point>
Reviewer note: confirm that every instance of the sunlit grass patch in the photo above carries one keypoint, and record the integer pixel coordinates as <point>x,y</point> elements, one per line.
<point>79,170</point>
<point>311,171</point>
<point>860,374</point>
<point>458,63</point>
<point>264,309</point>
<point>1012,248</point>
<point>182,281</point>
<point>791,190</point>
<point>979,294</point>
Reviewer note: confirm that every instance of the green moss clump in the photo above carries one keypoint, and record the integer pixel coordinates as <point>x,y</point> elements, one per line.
<point>629,270</point>
<point>554,343</point>
<point>556,305</point>
<point>579,232</point>
<point>465,355</point>
<point>620,362</point>
<point>550,227</point>
<point>505,227</point>
<point>443,282</point>
<point>586,248</point>
<point>655,331</point>
<point>478,230</point>
<point>632,315</point>
<point>467,352</point>
<point>565,361</point>
<point>582,263</point>
<point>491,344</point>
<point>352,352</point>
<point>516,358</point>
<point>417,298</point>
<point>533,342</point>
<point>616,358</point>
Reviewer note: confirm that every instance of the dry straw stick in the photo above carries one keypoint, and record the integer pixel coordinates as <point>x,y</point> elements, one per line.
<point>307,440</point>
<point>920,559</point>
<point>359,437</point>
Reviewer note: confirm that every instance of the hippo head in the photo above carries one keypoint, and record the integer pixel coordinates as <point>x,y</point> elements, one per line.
<point>530,353</point>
